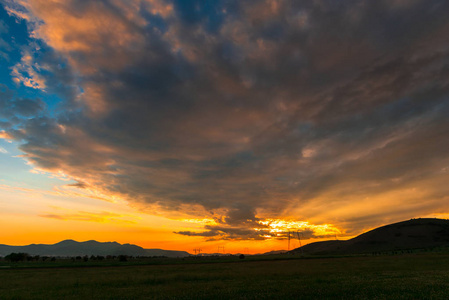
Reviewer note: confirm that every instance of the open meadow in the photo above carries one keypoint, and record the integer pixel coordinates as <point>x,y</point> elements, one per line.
<point>407,276</point>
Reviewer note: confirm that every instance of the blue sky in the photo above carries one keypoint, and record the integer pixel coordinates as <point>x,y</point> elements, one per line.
<point>14,170</point>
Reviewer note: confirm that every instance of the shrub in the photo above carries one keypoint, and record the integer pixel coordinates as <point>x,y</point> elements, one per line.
<point>122,258</point>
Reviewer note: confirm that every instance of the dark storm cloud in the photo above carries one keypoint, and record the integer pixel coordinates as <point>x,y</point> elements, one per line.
<point>303,109</point>
<point>226,233</point>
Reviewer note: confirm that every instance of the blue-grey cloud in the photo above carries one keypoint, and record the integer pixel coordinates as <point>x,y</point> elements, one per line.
<point>12,106</point>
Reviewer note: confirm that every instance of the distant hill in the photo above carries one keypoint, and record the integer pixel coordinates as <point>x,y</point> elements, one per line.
<point>412,234</point>
<point>74,248</point>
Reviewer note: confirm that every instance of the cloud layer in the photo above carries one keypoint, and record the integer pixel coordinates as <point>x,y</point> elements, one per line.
<point>334,112</point>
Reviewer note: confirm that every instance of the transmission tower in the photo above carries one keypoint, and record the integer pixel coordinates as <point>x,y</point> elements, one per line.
<point>299,238</point>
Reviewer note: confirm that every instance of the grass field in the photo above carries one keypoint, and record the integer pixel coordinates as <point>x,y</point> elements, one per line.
<point>411,276</point>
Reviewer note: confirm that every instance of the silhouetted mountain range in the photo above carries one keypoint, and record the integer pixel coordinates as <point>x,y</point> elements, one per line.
<point>407,235</point>
<point>74,248</point>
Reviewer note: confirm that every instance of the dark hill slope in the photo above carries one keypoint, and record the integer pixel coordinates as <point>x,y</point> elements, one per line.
<point>412,234</point>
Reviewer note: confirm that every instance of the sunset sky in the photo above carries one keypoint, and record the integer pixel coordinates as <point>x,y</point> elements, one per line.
<point>182,124</point>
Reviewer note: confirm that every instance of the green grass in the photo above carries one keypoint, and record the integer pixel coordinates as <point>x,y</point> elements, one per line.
<point>412,276</point>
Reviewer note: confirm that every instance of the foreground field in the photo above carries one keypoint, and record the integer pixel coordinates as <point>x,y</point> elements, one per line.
<point>412,276</point>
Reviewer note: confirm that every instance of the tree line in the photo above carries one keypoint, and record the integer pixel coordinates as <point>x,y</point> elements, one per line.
<point>18,257</point>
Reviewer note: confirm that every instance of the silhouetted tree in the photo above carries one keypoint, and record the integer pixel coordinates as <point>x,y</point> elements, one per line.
<point>122,258</point>
<point>241,256</point>
<point>15,257</point>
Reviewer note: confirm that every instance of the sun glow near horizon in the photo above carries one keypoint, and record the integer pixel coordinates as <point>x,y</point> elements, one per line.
<point>69,217</point>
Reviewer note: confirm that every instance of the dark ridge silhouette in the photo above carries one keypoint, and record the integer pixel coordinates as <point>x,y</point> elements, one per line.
<point>74,248</point>
<point>407,235</point>
<point>275,252</point>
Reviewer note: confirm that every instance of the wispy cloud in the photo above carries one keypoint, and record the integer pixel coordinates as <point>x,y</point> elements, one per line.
<point>66,191</point>
<point>100,217</point>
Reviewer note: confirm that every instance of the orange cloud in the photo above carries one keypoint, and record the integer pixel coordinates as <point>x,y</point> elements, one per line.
<point>28,73</point>
<point>5,135</point>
